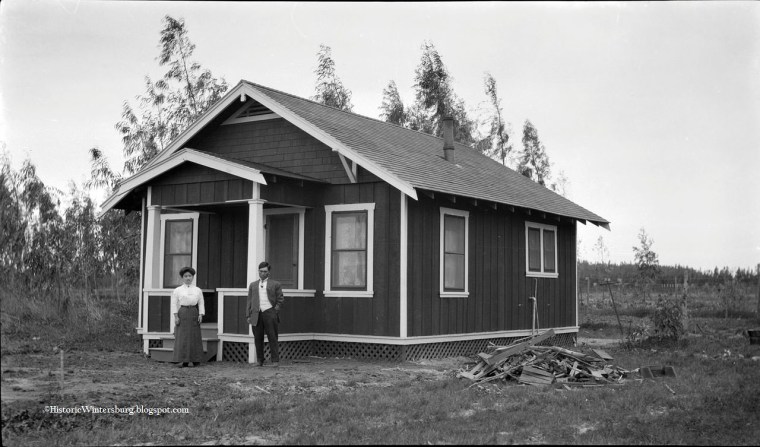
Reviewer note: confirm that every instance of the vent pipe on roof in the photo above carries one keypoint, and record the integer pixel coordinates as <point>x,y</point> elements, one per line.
<point>448,136</point>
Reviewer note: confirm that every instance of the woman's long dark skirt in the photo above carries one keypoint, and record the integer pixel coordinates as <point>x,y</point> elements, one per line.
<point>188,345</point>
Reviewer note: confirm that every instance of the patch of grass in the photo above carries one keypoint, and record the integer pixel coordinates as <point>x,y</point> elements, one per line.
<point>34,324</point>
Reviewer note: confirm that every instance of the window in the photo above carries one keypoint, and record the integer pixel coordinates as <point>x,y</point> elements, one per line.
<point>179,235</point>
<point>454,253</point>
<point>349,249</point>
<point>541,252</point>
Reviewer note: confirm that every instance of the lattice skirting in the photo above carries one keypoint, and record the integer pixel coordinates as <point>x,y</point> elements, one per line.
<point>365,351</point>
<point>155,343</point>
<point>238,351</point>
<point>472,347</point>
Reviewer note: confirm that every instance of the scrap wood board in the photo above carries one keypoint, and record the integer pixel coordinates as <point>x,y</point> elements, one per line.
<point>602,354</point>
<point>515,349</point>
<point>535,376</point>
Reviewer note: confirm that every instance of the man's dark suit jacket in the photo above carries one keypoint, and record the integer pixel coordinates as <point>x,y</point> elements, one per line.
<point>274,293</point>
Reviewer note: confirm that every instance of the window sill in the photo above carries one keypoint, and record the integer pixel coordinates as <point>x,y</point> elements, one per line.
<point>541,275</point>
<point>299,293</point>
<point>349,293</point>
<point>454,294</point>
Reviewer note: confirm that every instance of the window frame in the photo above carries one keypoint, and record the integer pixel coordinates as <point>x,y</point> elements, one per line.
<point>541,228</point>
<point>178,216</point>
<point>442,290</point>
<point>369,208</point>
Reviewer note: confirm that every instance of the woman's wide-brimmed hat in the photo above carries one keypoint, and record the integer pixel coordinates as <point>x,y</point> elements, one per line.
<point>184,270</point>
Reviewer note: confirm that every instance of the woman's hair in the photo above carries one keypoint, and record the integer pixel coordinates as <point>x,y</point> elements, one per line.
<point>184,270</point>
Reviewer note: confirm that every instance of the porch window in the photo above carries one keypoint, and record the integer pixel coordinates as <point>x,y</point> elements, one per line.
<point>349,250</point>
<point>179,234</point>
<point>454,253</point>
<point>541,250</point>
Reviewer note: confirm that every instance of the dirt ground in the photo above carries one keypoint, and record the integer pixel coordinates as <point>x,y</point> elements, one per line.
<point>126,378</point>
<point>119,378</point>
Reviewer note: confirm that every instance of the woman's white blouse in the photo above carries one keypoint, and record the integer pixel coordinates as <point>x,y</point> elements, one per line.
<point>185,295</point>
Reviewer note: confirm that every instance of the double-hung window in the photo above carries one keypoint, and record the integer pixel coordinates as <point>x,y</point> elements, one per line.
<point>541,250</point>
<point>179,236</point>
<point>454,266</point>
<point>349,232</point>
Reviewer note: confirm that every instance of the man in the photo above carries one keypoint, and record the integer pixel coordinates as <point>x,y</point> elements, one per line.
<point>264,302</point>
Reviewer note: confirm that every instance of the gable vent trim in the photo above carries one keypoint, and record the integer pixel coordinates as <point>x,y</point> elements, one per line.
<point>251,111</point>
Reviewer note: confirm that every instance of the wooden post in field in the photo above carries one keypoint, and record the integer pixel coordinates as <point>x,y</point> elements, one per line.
<point>685,302</point>
<point>588,291</point>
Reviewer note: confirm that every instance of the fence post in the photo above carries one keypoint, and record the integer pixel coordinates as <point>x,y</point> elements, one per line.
<point>758,293</point>
<point>588,292</point>
<point>685,302</point>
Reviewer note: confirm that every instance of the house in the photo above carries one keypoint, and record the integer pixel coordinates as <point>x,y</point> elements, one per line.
<point>389,243</point>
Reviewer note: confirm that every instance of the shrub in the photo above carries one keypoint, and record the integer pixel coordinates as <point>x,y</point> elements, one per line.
<point>668,319</point>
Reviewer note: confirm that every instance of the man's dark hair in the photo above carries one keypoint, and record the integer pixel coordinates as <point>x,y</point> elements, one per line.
<point>265,264</point>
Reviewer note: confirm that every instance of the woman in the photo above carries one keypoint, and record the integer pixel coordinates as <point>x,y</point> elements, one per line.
<point>188,310</point>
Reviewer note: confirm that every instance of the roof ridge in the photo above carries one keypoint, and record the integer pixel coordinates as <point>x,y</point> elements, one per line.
<point>379,121</point>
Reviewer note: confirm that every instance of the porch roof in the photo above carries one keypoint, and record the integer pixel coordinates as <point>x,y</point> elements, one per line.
<point>240,168</point>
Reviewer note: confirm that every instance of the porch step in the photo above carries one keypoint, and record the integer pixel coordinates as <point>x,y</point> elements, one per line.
<point>165,353</point>
<point>209,330</point>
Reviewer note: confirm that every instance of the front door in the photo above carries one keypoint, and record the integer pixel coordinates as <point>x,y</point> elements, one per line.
<point>282,247</point>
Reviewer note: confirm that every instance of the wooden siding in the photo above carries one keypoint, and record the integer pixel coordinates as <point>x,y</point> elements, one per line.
<point>223,248</point>
<point>378,315</point>
<point>235,319</point>
<point>275,143</point>
<point>159,309</point>
<point>191,184</point>
<point>498,286</point>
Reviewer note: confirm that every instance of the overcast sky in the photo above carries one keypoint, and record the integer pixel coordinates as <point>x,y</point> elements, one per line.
<point>651,110</point>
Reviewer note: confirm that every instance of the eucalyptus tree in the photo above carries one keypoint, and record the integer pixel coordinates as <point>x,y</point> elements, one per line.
<point>533,163</point>
<point>329,89</point>
<point>435,98</point>
<point>392,108</point>
<point>496,143</point>
<point>170,104</point>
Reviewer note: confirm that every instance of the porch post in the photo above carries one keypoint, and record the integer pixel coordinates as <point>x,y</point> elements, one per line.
<point>255,249</point>
<point>152,241</point>
<point>143,211</point>
<point>255,238</point>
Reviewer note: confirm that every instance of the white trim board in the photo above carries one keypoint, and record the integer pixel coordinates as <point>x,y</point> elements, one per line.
<point>404,341</point>
<point>185,155</point>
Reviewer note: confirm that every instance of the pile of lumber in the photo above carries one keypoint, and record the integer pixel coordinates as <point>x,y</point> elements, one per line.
<point>529,363</point>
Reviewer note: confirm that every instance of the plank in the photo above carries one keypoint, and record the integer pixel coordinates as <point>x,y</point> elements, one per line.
<point>518,348</point>
<point>602,354</point>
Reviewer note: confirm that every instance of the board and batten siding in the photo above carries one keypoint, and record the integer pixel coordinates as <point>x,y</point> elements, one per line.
<point>191,184</point>
<point>275,143</point>
<point>379,315</point>
<point>498,286</point>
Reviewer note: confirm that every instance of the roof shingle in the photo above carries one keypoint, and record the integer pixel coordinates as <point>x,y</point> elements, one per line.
<point>417,158</point>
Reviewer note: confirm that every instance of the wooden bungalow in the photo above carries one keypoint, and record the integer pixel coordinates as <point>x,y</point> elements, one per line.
<point>389,243</point>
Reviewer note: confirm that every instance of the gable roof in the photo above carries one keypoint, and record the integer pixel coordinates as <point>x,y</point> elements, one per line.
<point>407,159</point>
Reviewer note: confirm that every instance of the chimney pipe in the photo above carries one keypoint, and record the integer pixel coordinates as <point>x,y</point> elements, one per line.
<point>448,136</point>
